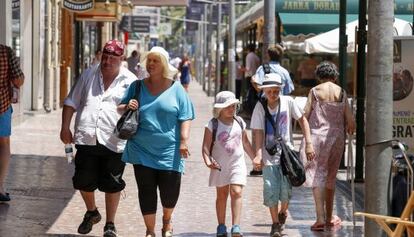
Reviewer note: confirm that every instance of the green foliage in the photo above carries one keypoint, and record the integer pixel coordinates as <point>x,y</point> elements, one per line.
<point>177,27</point>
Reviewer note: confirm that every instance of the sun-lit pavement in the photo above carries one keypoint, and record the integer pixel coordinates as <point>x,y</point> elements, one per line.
<point>45,204</point>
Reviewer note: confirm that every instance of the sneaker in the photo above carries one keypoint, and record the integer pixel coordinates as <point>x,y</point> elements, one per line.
<point>110,230</point>
<point>276,230</point>
<point>255,172</point>
<point>4,197</point>
<point>90,218</point>
<point>235,231</point>
<point>221,231</point>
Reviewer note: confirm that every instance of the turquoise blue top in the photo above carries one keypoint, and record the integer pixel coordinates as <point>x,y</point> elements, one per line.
<point>157,142</point>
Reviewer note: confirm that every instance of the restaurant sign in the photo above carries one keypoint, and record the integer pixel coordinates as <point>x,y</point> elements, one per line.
<point>332,6</point>
<point>78,5</point>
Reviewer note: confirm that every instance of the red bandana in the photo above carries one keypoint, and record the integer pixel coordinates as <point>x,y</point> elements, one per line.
<point>114,47</point>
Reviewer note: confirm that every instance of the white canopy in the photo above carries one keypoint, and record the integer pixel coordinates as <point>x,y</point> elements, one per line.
<point>329,42</point>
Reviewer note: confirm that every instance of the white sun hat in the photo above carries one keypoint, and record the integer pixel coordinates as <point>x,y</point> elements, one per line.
<point>271,80</point>
<point>171,71</point>
<point>223,100</point>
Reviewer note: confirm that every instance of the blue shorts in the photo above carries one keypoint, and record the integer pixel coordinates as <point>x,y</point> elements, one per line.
<point>276,186</point>
<point>5,122</point>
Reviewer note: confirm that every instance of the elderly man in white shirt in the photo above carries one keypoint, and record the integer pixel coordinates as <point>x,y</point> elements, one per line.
<point>98,165</point>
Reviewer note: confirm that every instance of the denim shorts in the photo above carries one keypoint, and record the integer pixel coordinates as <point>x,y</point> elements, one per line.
<point>276,187</point>
<point>5,122</point>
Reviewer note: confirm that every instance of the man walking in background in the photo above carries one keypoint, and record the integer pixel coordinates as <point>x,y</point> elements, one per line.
<point>133,61</point>
<point>10,76</point>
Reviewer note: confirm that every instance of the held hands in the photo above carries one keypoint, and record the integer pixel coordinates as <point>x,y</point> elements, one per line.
<point>257,163</point>
<point>212,164</point>
<point>310,153</point>
<point>132,104</point>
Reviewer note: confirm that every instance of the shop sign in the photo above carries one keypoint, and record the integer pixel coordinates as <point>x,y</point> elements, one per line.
<point>315,6</point>
<point>164,29</point>
<point>78,5</point>
<point>332,6</point>
<point>15,5</point>
<point>138,24</point>
<point>403,95</point>
<point>106,11</point>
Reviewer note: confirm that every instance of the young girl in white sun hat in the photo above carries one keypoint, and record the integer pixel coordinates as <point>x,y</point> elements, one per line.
<point>225,141</point>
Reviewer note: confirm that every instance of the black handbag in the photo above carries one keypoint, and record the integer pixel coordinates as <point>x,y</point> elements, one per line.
<point>127,125</point>
<point>290,161</point>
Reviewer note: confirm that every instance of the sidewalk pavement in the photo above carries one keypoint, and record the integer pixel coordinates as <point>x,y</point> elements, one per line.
<point>45,204</point>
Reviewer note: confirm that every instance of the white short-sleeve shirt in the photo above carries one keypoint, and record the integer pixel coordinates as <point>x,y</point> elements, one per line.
<point>96,108</point>
<point>288,110</point>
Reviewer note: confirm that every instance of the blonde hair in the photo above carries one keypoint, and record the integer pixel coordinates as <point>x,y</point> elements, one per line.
<point>167,73</point>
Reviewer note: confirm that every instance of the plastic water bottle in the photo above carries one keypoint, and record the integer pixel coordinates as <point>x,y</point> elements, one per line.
<point>15,95</point>
<point>69,152</point>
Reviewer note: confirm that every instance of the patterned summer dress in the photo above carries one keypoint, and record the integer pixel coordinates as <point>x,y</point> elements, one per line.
<point>327,125</point>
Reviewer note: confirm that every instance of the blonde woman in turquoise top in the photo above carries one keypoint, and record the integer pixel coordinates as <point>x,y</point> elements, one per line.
<point>159,148</point>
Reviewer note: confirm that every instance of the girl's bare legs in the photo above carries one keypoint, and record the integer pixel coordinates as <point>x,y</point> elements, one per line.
<point>236,202</point>
<point>221,203</point>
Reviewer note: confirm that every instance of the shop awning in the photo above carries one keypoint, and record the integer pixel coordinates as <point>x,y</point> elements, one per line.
<point>307,23</point>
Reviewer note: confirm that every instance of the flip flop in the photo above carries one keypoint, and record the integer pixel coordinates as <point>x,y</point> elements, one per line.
<point>336,221</point>
<point>318,227</point>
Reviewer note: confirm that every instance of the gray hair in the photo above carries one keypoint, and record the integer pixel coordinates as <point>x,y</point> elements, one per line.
<point>326,70</point>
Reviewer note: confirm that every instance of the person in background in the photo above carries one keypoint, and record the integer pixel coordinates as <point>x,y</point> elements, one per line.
<point>276,186</point>
<point>185,72</point>
<point>252,63</point>
<point>330,116</point>
<point>239,76</point>
<point>306,71</point>
<point>133,61</point>
<point>97,59</point>
<point>275,53</point>
<point>159,148</point>
<point>10,76</point>
<point>98,165</point>
<point>227,167</point>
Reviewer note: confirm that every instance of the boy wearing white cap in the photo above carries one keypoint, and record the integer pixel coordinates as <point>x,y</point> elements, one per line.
<point>276,186</point>
<point>225,139</point>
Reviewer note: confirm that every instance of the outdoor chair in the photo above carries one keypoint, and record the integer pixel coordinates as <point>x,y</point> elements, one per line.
<point>402,223</point>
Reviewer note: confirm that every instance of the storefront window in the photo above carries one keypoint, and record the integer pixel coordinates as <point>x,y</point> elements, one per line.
<point>16,27</point>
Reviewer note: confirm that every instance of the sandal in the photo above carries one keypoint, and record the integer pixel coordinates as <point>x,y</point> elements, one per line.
<point>318,227</point>
<point>149,234</point>
<point>166,233</point>
<point>335,221</point>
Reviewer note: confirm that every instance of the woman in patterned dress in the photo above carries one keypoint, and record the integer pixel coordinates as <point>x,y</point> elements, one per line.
<point>329,116</point>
